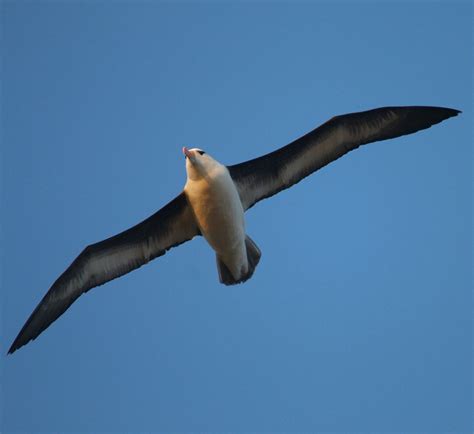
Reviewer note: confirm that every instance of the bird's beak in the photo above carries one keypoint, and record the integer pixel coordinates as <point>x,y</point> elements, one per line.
<point>187,153</point>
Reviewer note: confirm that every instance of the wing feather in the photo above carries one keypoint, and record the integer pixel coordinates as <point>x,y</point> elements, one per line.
<point>269,174</point>
<point>106,260</point>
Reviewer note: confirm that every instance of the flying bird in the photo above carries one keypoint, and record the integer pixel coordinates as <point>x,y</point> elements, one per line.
<point>213,203</point>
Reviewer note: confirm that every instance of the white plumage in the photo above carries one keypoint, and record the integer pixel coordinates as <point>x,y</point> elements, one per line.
<point>217,208</point>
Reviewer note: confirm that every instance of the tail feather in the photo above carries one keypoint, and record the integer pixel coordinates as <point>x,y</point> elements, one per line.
<point>253,258</point>
<point>225,276</point>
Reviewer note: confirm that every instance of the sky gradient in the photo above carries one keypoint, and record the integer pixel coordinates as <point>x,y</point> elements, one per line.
<point>359,315</point>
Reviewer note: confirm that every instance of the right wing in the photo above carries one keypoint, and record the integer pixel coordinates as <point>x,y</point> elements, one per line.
<point>106,260</point>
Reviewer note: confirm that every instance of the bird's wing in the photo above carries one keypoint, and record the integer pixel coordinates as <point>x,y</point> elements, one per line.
<point>98,263</point>
<point>267,175</point>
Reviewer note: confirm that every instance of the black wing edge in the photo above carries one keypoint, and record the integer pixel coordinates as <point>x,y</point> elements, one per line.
<point>139,231</point>
<point>246,170</point>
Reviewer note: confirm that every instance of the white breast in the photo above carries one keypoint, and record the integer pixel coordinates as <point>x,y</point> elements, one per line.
<point>220,215</point>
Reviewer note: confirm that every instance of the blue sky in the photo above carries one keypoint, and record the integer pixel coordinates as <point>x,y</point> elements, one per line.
<point>359,316</point>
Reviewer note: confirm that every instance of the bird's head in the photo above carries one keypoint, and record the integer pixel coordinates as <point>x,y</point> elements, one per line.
<point>198,162</point>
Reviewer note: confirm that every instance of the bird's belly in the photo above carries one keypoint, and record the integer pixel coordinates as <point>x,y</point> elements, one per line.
<point>220,216</point>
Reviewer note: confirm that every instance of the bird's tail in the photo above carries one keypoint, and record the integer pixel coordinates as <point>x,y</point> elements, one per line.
<point>253,257</point>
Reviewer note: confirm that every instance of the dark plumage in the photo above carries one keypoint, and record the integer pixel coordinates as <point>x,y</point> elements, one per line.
<point>267,175</point>
<point>255,180</point>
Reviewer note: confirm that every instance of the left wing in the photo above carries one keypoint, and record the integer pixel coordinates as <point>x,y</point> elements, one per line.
<point>98,263</point>
<point>269,174</point>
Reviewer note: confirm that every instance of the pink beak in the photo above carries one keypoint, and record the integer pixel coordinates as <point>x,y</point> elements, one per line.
<point>186,152</point>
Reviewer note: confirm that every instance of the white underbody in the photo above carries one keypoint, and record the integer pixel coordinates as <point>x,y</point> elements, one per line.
<point>220,216</point>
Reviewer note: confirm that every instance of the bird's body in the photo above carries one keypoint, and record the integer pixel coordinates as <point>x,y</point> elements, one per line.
<point>216,205</point>
<point>213,203</point>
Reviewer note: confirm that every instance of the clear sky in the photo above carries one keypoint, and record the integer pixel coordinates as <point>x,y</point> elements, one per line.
<point>359,316</point>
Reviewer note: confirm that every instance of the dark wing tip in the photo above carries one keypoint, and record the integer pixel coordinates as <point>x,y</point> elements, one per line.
<point>454,112</point>
<point>390,122</point>
<point>46,312</point>
<point>445,112</point>
<point>425,117</point>
<point>23,337</point>
<point>434,115</point>
<point>12,349</point>
<point>16,345</point>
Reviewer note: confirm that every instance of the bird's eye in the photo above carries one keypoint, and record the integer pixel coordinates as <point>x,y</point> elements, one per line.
<point>200,152</point>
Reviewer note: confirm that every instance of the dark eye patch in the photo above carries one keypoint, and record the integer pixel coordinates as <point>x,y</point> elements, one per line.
<point>200,152</point>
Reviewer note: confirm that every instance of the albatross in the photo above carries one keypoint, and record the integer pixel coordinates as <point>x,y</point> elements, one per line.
<point>213,202</point>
